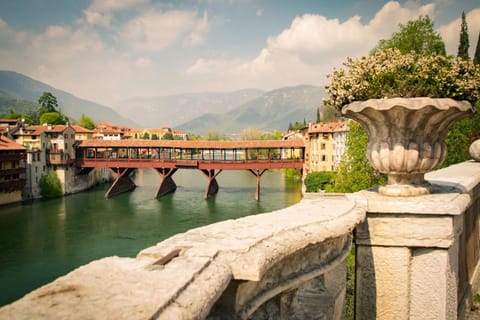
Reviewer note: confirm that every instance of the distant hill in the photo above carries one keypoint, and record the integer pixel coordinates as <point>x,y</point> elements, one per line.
<point>274,110</point>
<point>9,104</point>
<point>15,88</point>
<point>154,112</point>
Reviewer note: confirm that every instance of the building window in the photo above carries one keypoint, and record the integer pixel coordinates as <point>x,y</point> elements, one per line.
<point>324,157</point>
<point>322,146</point>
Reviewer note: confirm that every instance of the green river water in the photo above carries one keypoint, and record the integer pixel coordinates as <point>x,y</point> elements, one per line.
<point>44,240</point>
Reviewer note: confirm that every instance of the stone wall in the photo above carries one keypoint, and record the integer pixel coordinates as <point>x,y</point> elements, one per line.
<point>10,197</point>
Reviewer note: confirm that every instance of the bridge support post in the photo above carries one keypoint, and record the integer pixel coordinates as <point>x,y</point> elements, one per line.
<point>167,185</point>
<point>258,175</point>
<point>212,186</point>
<point>122,182</point>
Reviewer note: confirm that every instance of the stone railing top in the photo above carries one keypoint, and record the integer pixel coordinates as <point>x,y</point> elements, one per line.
<point>452,193</point>
<point>208,259</point>
<point>463,177</point>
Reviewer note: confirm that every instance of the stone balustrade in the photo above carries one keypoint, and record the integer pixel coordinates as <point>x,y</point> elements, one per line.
<point>417,258</point>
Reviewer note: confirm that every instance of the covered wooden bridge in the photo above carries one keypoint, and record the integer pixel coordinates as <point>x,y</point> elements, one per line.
<point>167,156</point>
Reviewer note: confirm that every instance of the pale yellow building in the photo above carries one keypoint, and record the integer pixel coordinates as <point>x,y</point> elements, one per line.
<point>82,133</point>
<point>325,145</point>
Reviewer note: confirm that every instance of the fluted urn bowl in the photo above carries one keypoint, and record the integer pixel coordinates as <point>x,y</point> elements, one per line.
<point>407,137</point>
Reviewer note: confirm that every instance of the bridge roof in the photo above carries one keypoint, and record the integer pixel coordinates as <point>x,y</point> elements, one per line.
<point>200,144</point>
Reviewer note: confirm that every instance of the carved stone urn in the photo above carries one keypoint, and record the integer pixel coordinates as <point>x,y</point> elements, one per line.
<point>407,137</point>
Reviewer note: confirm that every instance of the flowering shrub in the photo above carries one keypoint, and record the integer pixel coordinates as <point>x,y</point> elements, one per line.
<point>388,74</point>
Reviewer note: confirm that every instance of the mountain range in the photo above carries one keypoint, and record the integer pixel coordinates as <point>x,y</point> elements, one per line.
<point>20,90</point>
<point>225,112</point>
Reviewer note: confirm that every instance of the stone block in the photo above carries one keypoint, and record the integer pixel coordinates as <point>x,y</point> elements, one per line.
<point>382,279</point>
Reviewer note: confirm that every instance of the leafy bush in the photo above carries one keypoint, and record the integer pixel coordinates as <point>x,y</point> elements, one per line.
<point>50,186</point>
<point>389,73</point>
<point>318,180</point>
<point>355,172</point>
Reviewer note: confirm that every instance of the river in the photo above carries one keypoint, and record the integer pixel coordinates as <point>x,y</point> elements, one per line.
<point>46,239</point>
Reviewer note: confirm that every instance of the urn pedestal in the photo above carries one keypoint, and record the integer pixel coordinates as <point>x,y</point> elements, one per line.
<point>407,137</point>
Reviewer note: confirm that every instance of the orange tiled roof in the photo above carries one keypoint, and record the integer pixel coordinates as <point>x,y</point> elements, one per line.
<point>79,129</point>
<point>9,144</point>
<point>39,129</point>
<point>322,127</point>
<point>194,144</point>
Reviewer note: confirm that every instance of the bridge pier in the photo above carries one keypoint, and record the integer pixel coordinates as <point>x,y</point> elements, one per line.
<point>167,185</point>
<point>122,182</point>
<point>258,175</point>
<point>212,186</point>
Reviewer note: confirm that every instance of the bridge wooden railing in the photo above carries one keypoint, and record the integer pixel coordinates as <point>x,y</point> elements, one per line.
<point>167,156</point>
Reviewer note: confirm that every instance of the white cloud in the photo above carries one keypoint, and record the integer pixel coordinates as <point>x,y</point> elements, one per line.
<point>198,33</point>
<point>451,32</point>
<point>259,12</point>
<point>100,11</point>
<point>114,5</point>
<point>143,62</point>
<point>154,30</point>
<point>308,49</point>
<point>97,18</point>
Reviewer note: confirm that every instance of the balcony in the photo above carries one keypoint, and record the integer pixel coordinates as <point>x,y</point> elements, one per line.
<point>58,157</point>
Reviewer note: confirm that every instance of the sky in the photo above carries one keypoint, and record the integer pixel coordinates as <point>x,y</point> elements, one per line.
<point>107,51</point>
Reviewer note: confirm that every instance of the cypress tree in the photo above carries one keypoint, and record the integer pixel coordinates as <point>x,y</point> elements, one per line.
<point>464,44</point>
<point>476,57</point>
<point>318,115</point>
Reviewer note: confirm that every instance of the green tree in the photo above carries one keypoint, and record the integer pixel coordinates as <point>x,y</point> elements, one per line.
<point>167,136</point>
<point>50,186</point>
<point>476,57</point>
<point>48,102</point>
<point>214,136</point>
<point>418,36</point>
<point>464,44</point>
<point>146,136</point>
<point>155,136</point>
<point>19,116</point>
<point>459,138</point>
<point>318,115</point>
<point>86,122</point>
<point>329,113</point>
<point>355,172</point>
<point>52,118</point>
<point>275,135</point>
<point>318,180</point>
